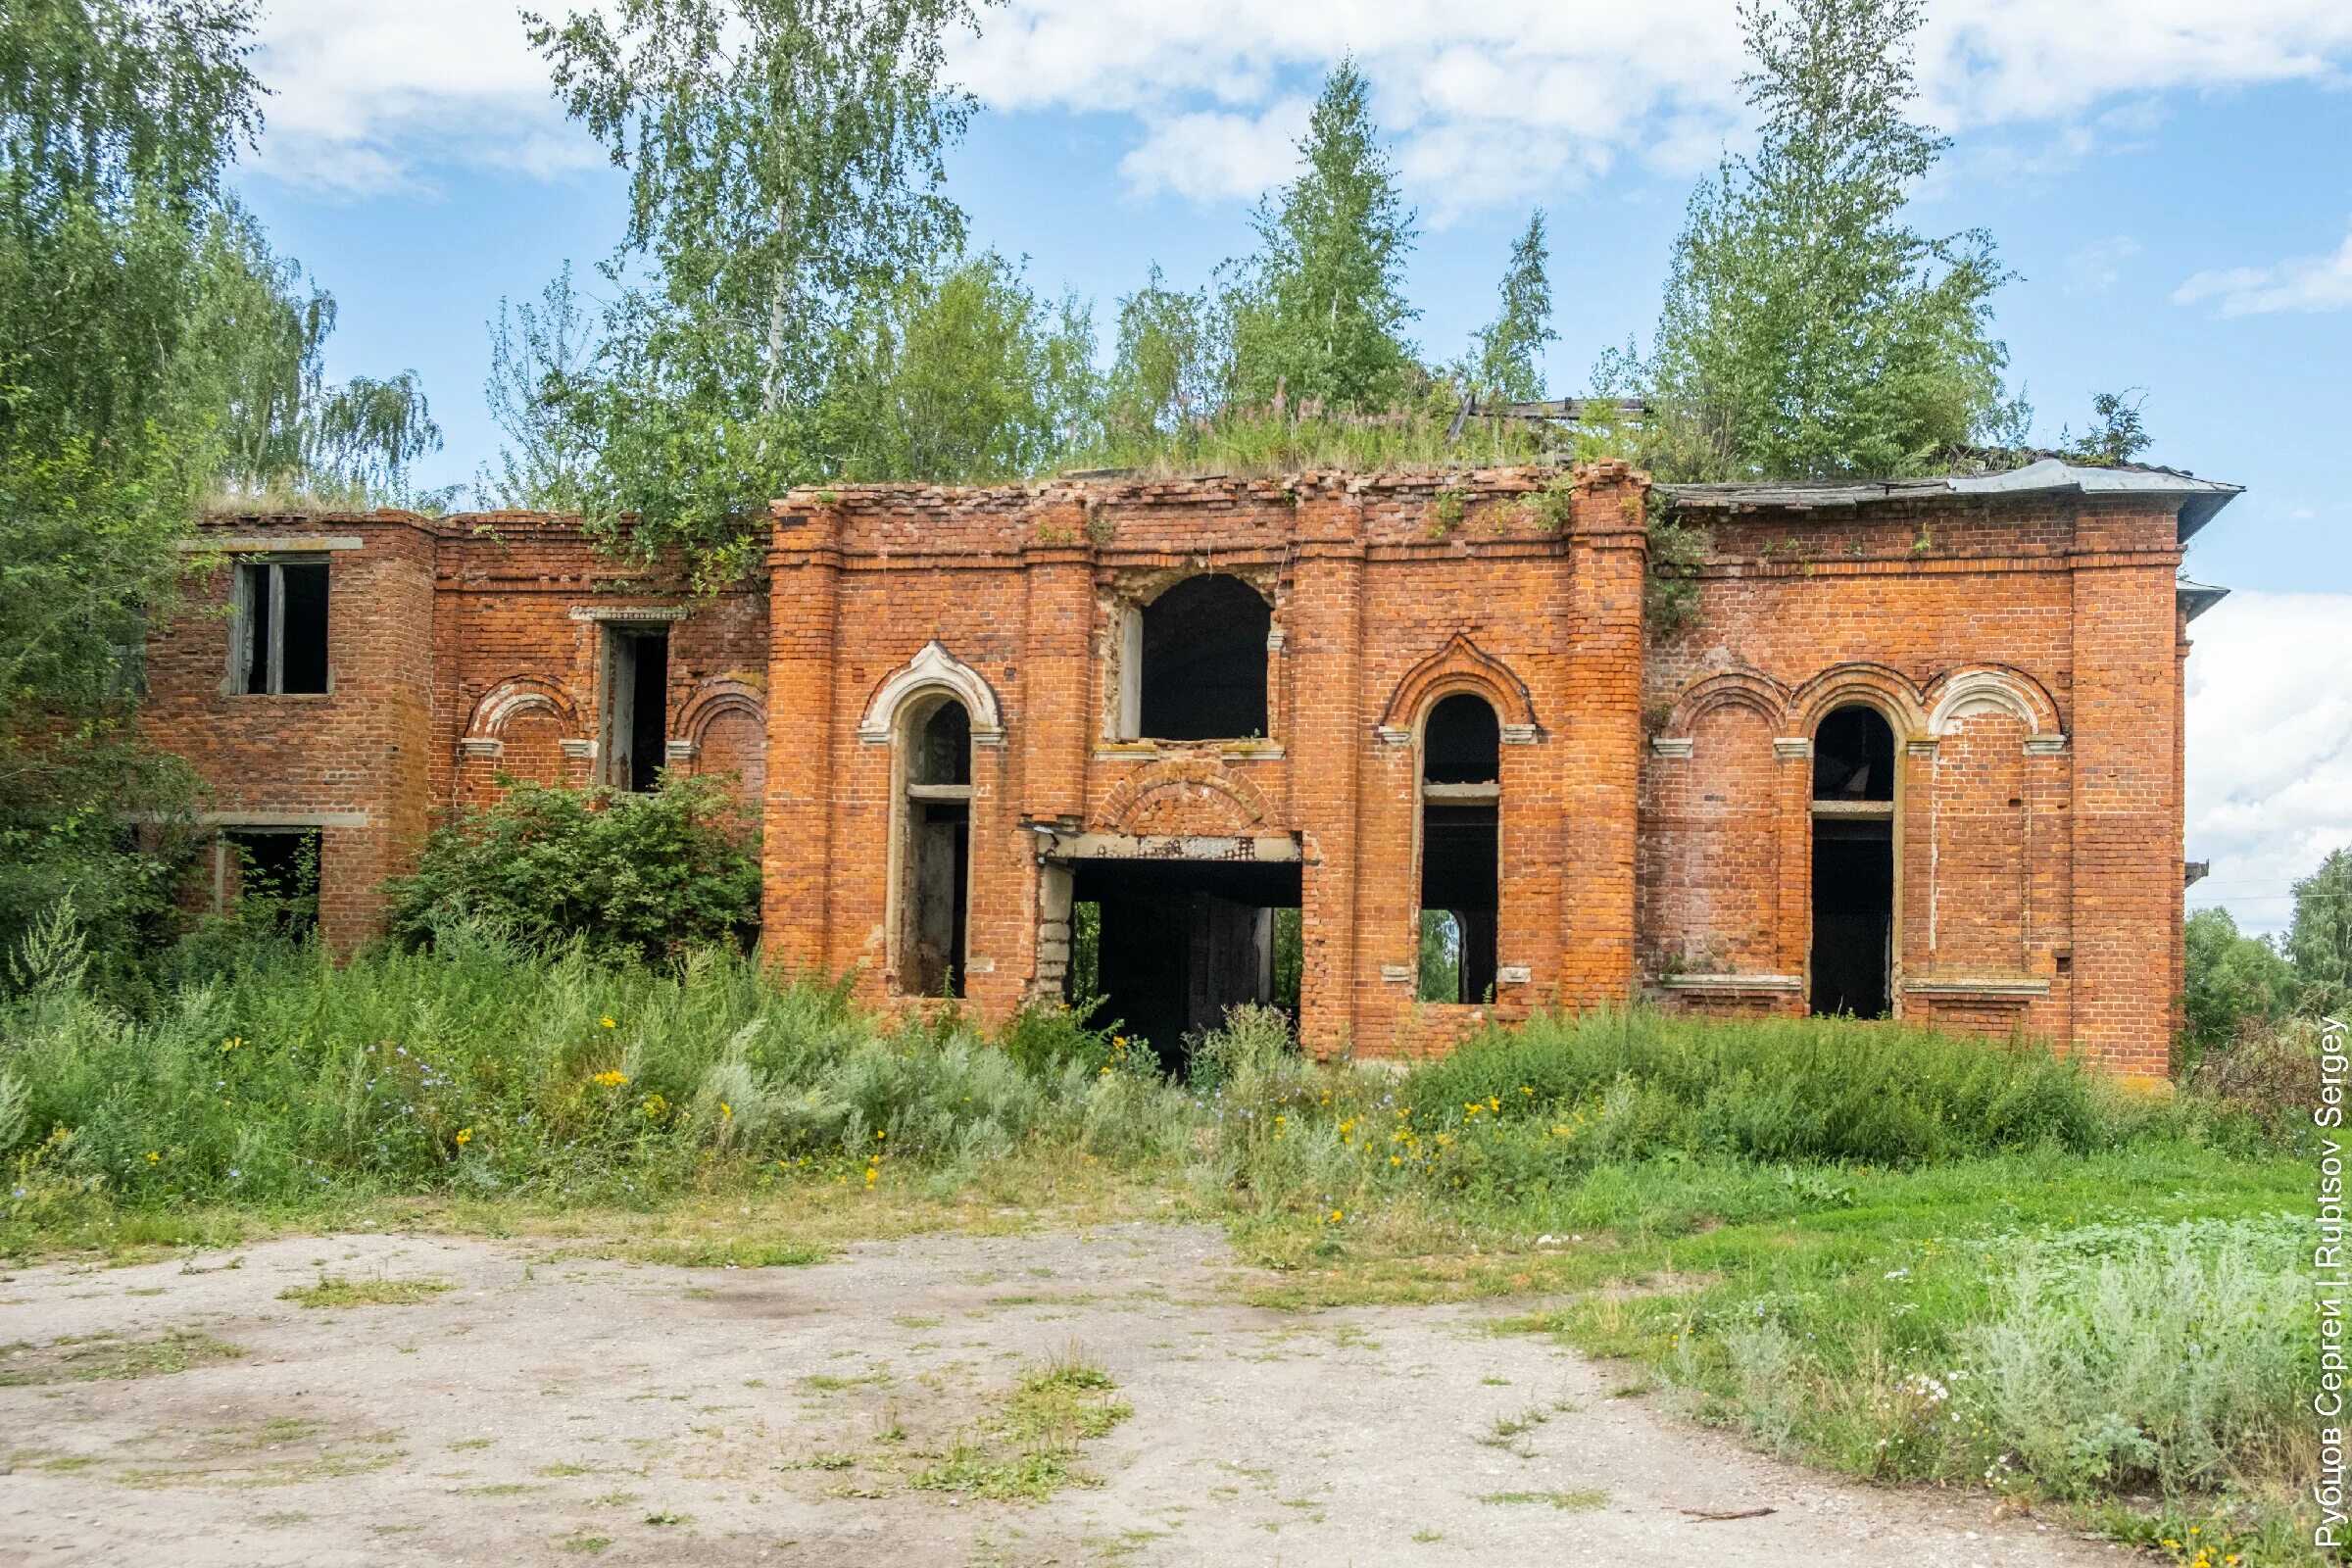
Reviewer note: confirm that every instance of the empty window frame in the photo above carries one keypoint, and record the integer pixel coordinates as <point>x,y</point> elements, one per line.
<point>1854,864</point>
<point>1198,661</point>
<point>277,640</point>
<point>935,848</point>
<point>636,716</point>
<point>268,878</point>
<point>1461,864</point>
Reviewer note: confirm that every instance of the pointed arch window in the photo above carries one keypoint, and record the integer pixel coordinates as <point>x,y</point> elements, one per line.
<point>1461,802</point>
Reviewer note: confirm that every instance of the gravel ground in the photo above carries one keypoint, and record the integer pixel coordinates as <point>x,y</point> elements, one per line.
<point>551,1408</point>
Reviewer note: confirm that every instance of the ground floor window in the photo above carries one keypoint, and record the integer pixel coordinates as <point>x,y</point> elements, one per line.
<point>268,878</point>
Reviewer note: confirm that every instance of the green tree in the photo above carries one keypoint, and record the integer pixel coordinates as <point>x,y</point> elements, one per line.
<point>967,376</point>
<point>1170,364</point>
<point>2320,941</point>
<point>1503,360</point>
<point>2116,435</point>
<point>2232,979</point>
<point>542,391</point>
<point>285,431</point>
<point>116,119</point>
<point>1808,330</point>
<point>784,161</point>
<point>1319,310</point>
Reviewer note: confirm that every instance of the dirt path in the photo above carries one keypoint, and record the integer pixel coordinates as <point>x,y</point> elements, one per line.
<point>551,1410</point>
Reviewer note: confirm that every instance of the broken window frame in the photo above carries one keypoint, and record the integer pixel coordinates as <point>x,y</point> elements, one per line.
<point>296,912</point>
<point>264,634</point>
<point>1445,796</point>
<point>914,803</point>
<point>1131,698</point>
<point>619,764</point>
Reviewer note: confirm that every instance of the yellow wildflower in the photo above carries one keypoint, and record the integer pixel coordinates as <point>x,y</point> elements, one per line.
<point>154,1158</point>
<point>609,1023</point>
<point>464,1136</point>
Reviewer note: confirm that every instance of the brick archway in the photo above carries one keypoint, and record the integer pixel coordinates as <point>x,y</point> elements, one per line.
<point>1461,666</point>
<point>1143,801</point>
<point>1876,686</point>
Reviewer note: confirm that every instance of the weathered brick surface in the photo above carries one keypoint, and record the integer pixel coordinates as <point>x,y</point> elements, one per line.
<point>1655,813</point>
<point>2026,654</point>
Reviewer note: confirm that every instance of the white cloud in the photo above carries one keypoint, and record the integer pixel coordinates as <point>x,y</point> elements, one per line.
<point>2097,266</point>
<point>1497,103</point>
<point>366,98</point>
<point>2298,283</point>
<point>2270,746</point>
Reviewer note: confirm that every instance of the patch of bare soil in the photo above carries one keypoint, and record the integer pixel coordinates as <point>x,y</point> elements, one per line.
<point>909,1403</point>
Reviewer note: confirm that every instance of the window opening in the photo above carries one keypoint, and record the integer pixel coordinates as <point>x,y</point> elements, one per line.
<point>1853,757</point>
<point>279,639</point>
<point>935,851</point>
<point>269,879</point>
<point>1854,864</point>
<point>1462,867</point>
<point>1204,658</point>
<point>636,719</point>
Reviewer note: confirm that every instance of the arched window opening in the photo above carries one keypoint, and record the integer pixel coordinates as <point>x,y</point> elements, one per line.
<point>1854,864</point>
<point>1462,743</point>
<point>1853,757</point>
<point>1461,800</point>
<point>935,812</point>
<point>1202,660</point>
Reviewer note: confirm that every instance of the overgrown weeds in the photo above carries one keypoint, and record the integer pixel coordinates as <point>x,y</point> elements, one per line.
<point>1903,1254</point>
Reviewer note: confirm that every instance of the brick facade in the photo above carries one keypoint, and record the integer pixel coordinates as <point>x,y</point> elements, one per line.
<point>1654,801</point>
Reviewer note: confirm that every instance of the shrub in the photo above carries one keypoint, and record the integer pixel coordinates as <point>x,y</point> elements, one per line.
<point>2122,1355</point>
<point>650,873</point>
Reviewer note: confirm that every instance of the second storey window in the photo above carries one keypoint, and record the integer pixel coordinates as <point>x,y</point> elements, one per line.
<point>278,644</point>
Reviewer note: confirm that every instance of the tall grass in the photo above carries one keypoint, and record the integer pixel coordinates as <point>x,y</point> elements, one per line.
<point>482,1066</point>
<point>1781,1089</point>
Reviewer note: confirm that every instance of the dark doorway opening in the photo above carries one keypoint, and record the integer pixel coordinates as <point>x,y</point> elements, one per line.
<point>1203,675</point>
<point>1176,943</point>
<point>1853,915</point>
<point>1461,862</point>
<point>1854,864</point>
<point>636,706</point>
<point>938,850</point>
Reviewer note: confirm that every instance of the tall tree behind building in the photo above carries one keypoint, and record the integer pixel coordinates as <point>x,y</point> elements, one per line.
<point>1319,310</point>
<point>1808,329</point>
<point>1502,358</point>
<point>2320,941</point>
<point>151,348</point>
<point>784,161</point>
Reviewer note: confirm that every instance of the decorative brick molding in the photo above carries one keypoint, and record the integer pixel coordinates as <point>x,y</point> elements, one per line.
<point>650,614</point>
<point>1200,794</point>
<point>933,668</point>
<point>1461,666</point>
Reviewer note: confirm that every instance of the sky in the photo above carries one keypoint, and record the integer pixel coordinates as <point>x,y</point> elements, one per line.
<point>2168,179</point>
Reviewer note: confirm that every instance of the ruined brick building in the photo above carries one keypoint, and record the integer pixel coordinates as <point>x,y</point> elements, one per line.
<point>1914,750</point>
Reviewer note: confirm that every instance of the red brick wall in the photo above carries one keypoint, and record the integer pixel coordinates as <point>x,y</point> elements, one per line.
<point>2025,652</point>
<point>354,759</point>
<point>1655,791</point>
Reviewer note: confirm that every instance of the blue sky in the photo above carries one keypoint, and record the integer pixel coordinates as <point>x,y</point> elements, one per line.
<point>2167,177</point>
